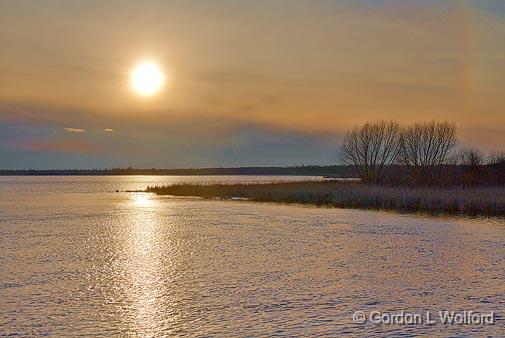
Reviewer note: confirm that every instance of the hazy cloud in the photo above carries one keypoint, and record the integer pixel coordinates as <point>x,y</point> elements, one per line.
<point>108,130</point>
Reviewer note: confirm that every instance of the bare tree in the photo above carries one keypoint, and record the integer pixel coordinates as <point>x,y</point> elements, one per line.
<point>471,157</point>
<point>497,158</point>
<point>371,147</point>
<point>428,144</point>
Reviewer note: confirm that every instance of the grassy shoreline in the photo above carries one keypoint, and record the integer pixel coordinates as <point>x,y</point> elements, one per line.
<point>481,201</point>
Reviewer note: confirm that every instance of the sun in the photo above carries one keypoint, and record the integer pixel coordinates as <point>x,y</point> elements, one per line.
<point>147,78</point>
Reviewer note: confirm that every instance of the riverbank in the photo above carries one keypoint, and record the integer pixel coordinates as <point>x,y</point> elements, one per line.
<point>485,201</point>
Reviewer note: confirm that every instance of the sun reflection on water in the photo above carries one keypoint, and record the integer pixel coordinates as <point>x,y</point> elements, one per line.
<point>143,283</point>
<point>142,200</point>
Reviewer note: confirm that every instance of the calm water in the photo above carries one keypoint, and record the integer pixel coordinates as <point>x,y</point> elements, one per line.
<point>78,258</point>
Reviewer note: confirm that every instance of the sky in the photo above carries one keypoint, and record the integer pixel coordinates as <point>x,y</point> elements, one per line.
<point>247,82</point>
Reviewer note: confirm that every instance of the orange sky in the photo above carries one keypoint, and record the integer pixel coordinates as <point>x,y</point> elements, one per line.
<point>303,67</point>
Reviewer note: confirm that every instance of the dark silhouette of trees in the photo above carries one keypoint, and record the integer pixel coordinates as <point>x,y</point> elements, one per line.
<point>471,157</point>
<point>428,144</point>
<point>472,172</point>
<point>419,154</point>
<point>371,147</point>
<point>497,158</point>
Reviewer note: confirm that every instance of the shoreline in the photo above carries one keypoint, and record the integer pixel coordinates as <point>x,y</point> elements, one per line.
<point>459,201</point>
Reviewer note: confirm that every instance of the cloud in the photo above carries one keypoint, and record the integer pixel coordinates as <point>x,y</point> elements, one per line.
<point>108,130</point>
<point>74,130</point>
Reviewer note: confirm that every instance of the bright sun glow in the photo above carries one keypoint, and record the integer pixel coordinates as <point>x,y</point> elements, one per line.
<point>147,78</point>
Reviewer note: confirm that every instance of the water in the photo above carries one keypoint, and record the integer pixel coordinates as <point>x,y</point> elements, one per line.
<point>77,258</point>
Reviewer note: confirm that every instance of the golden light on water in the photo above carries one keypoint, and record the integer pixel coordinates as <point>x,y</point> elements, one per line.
<point>147,78</point>
<point>140,280</point>
<point>141,200</point>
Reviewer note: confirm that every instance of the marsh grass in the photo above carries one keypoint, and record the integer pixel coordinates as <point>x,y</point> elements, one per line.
<point>488,201</point>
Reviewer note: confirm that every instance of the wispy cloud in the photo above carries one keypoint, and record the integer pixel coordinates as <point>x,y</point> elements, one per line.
<point>74,130</point>
<point>108,130</point>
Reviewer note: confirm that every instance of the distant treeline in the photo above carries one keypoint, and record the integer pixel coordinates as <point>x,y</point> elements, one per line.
<point>309,170</point>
